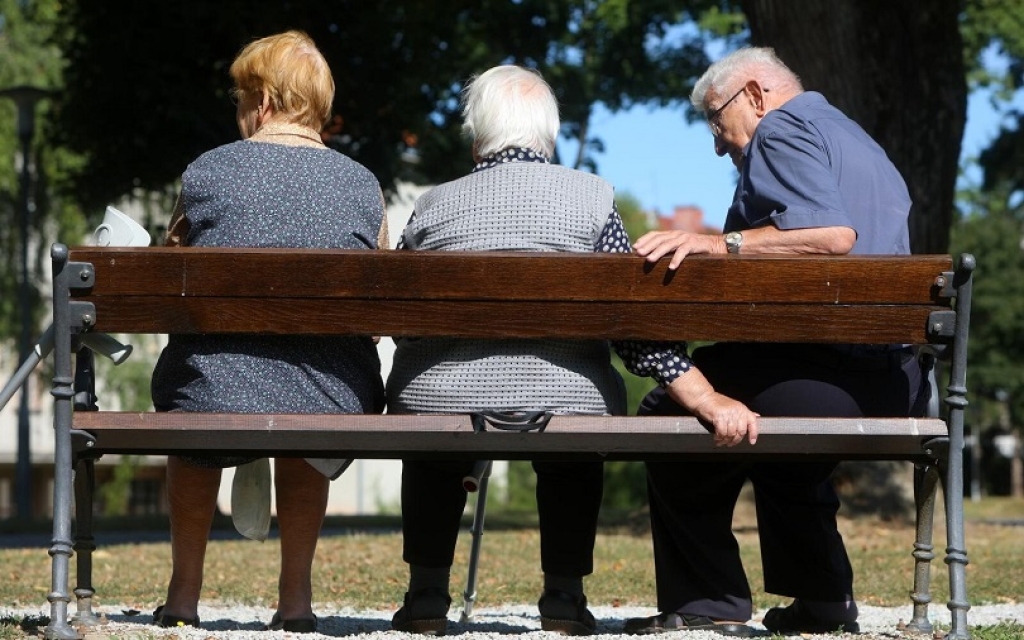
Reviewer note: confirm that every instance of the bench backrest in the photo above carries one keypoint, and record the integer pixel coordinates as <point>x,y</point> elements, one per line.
<point>848,299</point>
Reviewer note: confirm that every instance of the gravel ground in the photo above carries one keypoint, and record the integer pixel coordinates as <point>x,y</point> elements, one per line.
<point>512,621</point>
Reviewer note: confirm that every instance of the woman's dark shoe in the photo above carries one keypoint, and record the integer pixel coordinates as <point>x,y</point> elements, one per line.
<point>796,619</point>
<point>299,625</point>
<point>162,619</point>
<point>424,611</point>
<point>565,613</point>
<point>664,622</point>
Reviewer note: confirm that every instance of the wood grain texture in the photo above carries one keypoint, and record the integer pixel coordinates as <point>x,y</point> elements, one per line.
<point>607,437</point>
<point>493,295</point>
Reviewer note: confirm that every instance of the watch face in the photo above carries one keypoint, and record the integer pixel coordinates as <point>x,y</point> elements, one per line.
<point>733,240</point>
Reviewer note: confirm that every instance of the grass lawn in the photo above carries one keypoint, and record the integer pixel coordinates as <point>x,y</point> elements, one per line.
<point>363,569</point>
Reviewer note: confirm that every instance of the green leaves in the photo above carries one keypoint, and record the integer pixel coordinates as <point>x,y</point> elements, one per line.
<point>146,102</point>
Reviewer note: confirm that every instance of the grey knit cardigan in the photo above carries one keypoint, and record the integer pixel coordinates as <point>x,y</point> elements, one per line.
<point>519,206</point>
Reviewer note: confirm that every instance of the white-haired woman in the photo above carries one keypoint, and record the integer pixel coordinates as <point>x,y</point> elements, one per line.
<point>515,199</point>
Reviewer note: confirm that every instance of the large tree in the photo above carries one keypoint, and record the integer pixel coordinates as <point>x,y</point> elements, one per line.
<point>897,68</point>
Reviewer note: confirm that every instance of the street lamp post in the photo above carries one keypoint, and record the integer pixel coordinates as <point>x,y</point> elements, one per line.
<point>25,98</point>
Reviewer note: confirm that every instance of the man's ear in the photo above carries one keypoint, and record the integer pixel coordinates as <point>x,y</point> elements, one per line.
<point>759,96</point>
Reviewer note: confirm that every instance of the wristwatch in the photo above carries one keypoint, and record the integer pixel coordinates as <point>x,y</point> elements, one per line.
<point>733,241</point>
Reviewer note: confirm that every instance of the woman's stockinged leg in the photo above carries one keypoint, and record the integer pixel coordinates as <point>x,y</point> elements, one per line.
<point>192,496</point>
<point>301,503</point>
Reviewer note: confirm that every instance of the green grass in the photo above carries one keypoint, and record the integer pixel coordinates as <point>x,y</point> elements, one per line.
<point>365,570</point>
<point>994,508</point>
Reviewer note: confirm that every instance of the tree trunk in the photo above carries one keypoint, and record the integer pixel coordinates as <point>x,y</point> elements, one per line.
<point>894,66</point>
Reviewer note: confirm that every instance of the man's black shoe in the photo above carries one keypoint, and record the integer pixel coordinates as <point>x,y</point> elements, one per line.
<point>684,622</point>
<point>795,619</point>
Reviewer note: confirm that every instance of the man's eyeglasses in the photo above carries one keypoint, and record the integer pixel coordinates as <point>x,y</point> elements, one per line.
<point>712,118</point>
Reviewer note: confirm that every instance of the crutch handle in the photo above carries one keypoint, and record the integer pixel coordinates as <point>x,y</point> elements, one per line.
<point>481,470</point>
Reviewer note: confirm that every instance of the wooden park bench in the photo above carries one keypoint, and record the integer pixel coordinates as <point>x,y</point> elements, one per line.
<point>920,300</point>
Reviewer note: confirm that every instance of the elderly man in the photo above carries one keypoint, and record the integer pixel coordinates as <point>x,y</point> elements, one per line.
<point>811,181</point>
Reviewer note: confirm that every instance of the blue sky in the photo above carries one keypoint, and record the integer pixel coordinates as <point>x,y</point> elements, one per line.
<point>663,161</point>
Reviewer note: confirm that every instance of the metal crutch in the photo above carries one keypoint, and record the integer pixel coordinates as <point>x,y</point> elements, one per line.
<point>475,482</point>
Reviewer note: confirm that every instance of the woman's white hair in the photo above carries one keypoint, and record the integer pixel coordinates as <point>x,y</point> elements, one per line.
<point>510,106</point>
<point>750,63</point>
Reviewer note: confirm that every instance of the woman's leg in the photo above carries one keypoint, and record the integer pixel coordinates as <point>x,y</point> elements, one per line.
<point>301,504</point>
<point>192,494</point>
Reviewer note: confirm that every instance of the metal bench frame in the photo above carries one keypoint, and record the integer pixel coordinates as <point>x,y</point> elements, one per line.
<point>910,299</point>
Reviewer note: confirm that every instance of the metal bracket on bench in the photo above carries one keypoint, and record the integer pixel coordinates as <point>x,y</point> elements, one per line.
<point>518,421</point>
<point>81,444</point>
<point>937,448</point>
<point>83,315</point>
<point>942,325</point>
<point>81,275</point>
<point>946,285</point>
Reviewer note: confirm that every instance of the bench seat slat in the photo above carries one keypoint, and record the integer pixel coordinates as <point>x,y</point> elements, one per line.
<point>390,436</point>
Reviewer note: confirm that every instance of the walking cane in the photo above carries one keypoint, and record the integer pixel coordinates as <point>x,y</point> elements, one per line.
<point>476,481</point>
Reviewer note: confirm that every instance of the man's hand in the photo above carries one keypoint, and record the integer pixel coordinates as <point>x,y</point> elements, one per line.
<point>656,244</point>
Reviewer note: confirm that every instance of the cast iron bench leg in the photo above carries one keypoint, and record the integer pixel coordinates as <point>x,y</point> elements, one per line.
<point>63,393</point>
<point>85,543</point>
<point>926,482</point>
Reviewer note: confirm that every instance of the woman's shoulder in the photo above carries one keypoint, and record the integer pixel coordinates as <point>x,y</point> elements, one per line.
<point>349,165</point>
<point>220,154</point>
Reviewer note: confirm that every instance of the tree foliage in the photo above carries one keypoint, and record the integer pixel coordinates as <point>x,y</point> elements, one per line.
<point>144,102</point>
<point>995,28</point>
<point>144,91</point>
<point>29,59</point>
<point>992,222</point>
<point>992,229</point>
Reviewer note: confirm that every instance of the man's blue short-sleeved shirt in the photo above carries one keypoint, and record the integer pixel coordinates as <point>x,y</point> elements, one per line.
<point>808,166</point>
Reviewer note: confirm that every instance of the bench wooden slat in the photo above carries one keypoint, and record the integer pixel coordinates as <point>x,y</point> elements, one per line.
<point>493,319</point>
<point>410,275</point>
<point>375,436</point>
<point>498,294</point>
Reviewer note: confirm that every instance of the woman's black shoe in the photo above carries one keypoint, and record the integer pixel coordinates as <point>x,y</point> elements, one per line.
<point>162,619</point>
<point>298,625</point>
<point>424,611</point>
<point>564,613</point>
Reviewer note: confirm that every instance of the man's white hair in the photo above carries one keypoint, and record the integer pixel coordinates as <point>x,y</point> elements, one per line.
<point>750,63</point>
